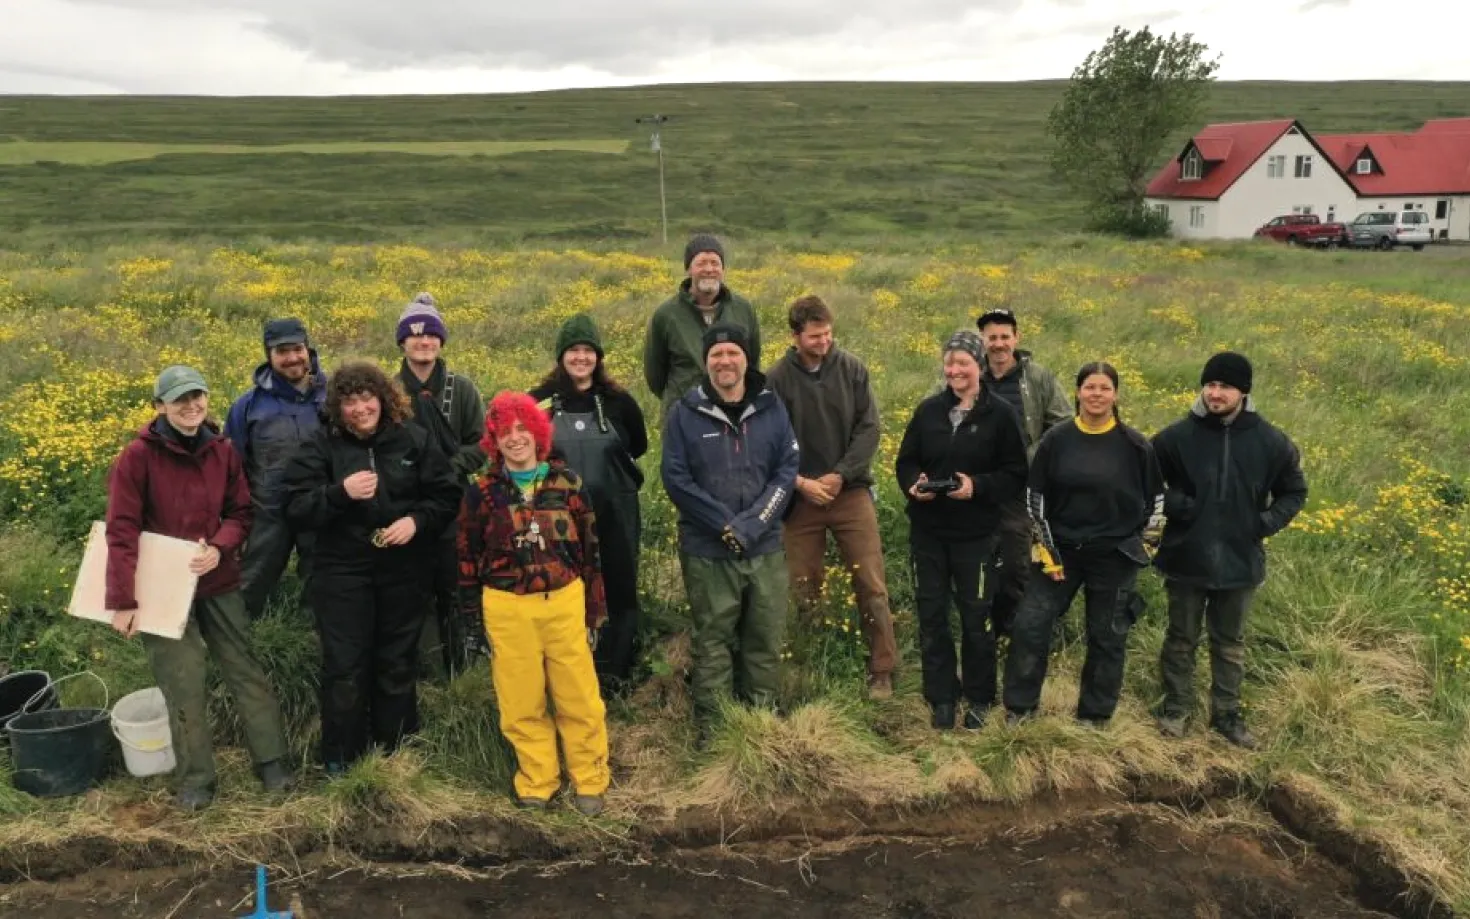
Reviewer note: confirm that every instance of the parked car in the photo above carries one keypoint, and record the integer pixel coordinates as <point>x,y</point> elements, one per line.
<point>1386,229</point>
<point>1304,230</point>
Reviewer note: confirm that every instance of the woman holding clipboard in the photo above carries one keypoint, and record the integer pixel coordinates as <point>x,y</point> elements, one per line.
<point>180,478</point>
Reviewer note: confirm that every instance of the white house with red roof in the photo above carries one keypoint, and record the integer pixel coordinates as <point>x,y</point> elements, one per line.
<point>1231,178</point>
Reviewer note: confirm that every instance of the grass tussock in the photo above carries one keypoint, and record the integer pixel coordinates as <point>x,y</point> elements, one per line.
<point>818,754</point>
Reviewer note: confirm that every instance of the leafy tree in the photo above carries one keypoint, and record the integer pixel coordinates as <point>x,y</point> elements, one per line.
<point>1124,103</point>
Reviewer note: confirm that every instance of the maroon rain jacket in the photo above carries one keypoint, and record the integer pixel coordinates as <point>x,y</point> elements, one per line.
<point>157,485</point>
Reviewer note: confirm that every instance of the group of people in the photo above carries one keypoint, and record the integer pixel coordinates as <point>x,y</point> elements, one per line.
<point>427,529</point>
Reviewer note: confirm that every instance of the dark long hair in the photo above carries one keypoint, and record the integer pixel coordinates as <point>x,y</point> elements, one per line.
<point>561,381</point>
<point>1088,369</point>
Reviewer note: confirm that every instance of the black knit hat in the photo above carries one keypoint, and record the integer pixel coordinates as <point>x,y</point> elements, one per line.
<point>1229,368</point>
<point>578,330</point>
<point>722,332</point>
<point>702,242</point>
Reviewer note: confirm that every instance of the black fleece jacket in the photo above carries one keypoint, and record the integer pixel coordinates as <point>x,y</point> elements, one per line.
<point>987,446</point>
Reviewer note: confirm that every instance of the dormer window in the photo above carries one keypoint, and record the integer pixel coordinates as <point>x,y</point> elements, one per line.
<point>1193,168</point>
<point>1364,166</point>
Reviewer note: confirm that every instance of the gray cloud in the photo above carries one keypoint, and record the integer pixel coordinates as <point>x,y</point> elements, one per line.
<point>619,38</point>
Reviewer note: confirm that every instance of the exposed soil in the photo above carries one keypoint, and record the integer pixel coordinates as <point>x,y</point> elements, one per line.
<point>1138,863</point>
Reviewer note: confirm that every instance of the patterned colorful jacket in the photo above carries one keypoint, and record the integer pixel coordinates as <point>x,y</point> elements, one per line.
<point>497,548</point>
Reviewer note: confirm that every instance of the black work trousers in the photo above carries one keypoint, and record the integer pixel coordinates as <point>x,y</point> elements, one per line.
<point>267,550</point>
<point>961,571</point>
<point>1107,578</point>
<point>369,621</point>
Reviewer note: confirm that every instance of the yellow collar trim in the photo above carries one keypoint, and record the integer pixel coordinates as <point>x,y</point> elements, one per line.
<point>1086,428</point>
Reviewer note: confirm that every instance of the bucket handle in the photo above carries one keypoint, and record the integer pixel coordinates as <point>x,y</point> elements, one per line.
<point>129,744</point>
<point>106,693</point>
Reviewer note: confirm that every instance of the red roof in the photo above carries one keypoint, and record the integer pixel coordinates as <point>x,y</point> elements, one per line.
<point>1430,162</point>
<point>1446,126</point>
<point>1228,151</point>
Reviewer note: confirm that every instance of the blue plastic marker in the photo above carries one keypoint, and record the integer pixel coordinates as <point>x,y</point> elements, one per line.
<point>260,909</point>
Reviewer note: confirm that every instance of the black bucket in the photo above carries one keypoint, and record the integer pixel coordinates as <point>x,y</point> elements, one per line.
<point>22,687</point>
<point>60,751</point>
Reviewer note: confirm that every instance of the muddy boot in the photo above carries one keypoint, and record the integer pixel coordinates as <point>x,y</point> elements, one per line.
<point>531,804</point>
<point>275,777</point>
<point>880,687</point>
<point>975,717</point>
<point>1232,728</point>
<point>1173,726</point>
<point>588,805</point>
<point>193,799</point>
<point>943,718</point>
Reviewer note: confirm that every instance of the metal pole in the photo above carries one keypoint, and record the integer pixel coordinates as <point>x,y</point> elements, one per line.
<point>663,207</point>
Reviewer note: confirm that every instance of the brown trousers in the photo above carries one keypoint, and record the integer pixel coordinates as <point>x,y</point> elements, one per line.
<point>853,521</point>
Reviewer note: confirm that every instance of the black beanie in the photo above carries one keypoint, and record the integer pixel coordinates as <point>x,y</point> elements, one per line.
<point>727,332</point>
<point>702,242</point>
<point>1229,368</point>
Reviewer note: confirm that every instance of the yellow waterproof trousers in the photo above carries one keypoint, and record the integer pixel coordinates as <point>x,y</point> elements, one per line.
<point>538,645</point>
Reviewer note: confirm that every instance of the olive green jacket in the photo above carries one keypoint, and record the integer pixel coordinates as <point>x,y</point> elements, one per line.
<point>673,351</point>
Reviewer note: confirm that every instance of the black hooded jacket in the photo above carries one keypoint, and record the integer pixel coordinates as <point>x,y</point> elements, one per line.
<point>1228,487</point>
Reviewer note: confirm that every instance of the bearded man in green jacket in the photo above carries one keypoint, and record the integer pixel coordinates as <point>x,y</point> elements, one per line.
<point>673,351</point>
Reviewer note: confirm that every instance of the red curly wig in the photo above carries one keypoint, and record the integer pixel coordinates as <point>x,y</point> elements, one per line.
<point>505,410</point>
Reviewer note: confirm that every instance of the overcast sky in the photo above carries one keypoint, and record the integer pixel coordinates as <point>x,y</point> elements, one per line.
<point>249,47</point>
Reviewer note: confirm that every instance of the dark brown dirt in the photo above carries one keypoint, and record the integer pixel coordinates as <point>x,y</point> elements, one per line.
<point>1132,864</point>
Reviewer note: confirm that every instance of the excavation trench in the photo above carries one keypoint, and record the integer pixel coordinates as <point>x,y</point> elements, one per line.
<point>1158,854</point>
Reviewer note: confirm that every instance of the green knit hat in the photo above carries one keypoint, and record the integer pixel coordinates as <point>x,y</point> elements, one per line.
<point>578,330</point>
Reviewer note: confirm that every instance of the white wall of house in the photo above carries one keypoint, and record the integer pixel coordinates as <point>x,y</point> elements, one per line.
<point>1190,219</point>
<point>1257,196</point>
<point>1454,225</point>
<point>1260,194</point>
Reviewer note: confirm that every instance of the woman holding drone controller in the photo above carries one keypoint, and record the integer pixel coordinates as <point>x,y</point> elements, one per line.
<point>961,459</point>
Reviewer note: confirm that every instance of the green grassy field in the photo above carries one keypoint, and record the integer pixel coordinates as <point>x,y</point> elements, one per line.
<point>910,208</point>
<point>99,153</point>
<point>817,162</point>
<point>1357,674</point>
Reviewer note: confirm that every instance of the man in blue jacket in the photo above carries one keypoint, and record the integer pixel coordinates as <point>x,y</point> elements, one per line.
<point>729,464</point>
<point>265,425</point>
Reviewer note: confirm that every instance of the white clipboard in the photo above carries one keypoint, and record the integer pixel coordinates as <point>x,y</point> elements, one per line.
<point>164,588</point>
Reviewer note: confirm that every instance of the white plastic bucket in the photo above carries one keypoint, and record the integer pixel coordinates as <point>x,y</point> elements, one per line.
<point>140,722</point>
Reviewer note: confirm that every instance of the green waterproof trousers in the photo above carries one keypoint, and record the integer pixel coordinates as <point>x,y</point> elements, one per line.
<point>219,626</point>
<point>739,612</point>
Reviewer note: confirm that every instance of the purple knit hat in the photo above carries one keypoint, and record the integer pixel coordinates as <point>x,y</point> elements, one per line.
<point>421,317</point>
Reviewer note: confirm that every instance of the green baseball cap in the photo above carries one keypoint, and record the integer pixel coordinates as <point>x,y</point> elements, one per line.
<point>177,380</point>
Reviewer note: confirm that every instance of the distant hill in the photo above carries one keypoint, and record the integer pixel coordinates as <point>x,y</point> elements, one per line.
<point>825,162</point>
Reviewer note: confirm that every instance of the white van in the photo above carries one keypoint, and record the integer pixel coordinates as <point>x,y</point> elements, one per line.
<point>1386,229</point>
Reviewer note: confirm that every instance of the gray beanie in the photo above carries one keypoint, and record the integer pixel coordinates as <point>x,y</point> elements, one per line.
<point>702,242</point>
<point>968,341</point>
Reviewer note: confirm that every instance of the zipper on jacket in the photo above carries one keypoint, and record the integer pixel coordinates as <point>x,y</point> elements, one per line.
<point>1224,464</point>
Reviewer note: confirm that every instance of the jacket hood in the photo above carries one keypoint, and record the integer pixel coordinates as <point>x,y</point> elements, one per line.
<point>1023,357</point>
<point>792,358</point>
<point>268,381</point>
<point>984,402</point>
<point>1246,418</point>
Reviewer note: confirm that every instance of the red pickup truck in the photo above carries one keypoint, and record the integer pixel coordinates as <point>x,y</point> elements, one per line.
<point>1304,230</point>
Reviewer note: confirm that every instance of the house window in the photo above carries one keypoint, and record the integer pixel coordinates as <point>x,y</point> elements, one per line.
<point>1441,209</point>
<point>1196,216</point>
<point>1304,166</point>
<point>1408,205</point>
<point>1365,166</point>
<point>1193,167</point>
<point>1276,166</point>
<point>1162,210</point>
<point>1331,212</point>
<point>1301,209</point>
